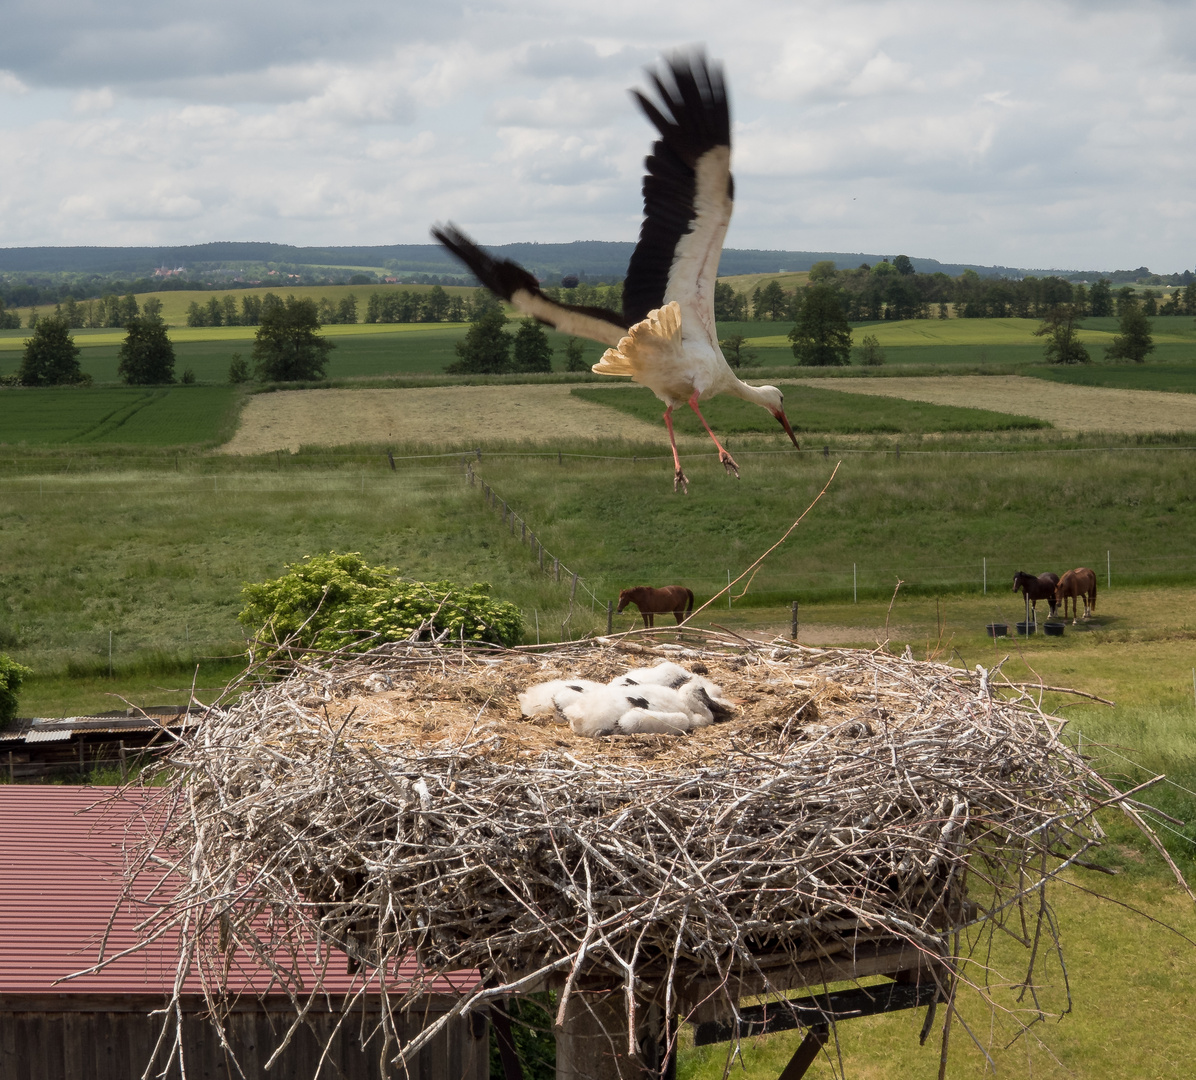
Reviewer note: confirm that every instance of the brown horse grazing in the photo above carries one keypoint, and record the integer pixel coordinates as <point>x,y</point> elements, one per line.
<point>1078,582</point>
<point>1036,588</point>
<point>651,602</point>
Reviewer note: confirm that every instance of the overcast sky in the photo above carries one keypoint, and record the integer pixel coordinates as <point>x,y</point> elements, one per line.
<point>1043,134</point>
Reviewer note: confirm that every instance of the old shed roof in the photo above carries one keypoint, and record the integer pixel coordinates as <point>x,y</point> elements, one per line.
<point>61,877</point>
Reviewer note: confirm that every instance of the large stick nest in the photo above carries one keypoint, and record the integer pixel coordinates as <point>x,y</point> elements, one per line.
<point>396,805</point>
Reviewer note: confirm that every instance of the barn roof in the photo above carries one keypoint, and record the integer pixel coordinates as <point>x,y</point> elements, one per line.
<point>61,878</point>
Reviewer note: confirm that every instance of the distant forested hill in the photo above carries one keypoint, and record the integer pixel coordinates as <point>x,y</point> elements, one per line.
<point>594,259</point>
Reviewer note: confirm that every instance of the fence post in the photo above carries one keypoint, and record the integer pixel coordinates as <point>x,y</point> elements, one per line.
<point>541,547</point>
<point>523,532</point>
<point>610,625</point>
<point>855,588</point>
<point>573,590</point>
<point>728,590</point>
<point>124,764</point>
<point>984,578</point>
<point>793,622</point>
<point>556,570</point>
<point>391,458</point>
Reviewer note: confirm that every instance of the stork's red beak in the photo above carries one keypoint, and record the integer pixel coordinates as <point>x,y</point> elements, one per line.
<point>780,415</point>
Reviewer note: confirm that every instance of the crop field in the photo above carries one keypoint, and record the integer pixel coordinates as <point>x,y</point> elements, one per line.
<point>139,416</point>
<point>813,409</point>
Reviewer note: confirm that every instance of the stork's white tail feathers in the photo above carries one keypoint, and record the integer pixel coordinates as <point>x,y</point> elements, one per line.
<point>650,343</point>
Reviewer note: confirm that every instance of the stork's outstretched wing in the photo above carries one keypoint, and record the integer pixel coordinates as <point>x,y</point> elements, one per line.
<point>688,195</point>
<point>510,281</point>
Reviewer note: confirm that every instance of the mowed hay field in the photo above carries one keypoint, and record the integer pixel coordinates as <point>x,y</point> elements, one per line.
<point>441,415</point>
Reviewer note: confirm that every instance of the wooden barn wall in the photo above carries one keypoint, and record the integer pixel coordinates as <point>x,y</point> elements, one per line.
<point>106,1043</point>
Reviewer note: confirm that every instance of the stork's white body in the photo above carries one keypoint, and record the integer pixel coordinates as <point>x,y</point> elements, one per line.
<point>667,339</point>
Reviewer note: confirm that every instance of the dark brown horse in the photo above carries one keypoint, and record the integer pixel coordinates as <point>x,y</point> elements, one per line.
<point>1078,582</point>
<point>651,602</point>
<point>1036,588</point>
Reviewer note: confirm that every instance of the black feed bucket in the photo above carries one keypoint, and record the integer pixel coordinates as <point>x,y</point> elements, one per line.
<point>1053,629</point>
<point>1026,628</point>
<point>997,629</point>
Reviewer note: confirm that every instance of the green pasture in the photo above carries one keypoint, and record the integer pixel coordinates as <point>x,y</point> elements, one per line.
<point>123,569</point>
<point>812,409</point>
<point>137,416</point>
<point>145,543</point>
<point>1172,377</point>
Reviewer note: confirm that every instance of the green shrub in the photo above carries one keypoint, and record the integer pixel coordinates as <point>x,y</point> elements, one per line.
<point>12,675</point>
<point>340,601</point>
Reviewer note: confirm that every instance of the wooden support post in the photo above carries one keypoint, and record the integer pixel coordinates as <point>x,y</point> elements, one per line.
<point>82,766</point>
<point>806,1054</point>
<point>573,591</point>
<point>610,625</point>
<point>10,774</point>
<point>592,1042</point>
<point>793,621</point>
<point>501,1022</point>
<point>523,532</point>
<point>124,762</point>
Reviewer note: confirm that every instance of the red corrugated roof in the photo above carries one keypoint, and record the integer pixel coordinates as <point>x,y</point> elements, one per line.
<point>61,875</point>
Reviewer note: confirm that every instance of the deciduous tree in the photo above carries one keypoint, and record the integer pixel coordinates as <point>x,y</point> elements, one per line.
<point>821,336</point>
<point>486,347</point>
<point>735,351</point>
<point>575,355</point>
<point>146,355</point>
<point>1059,326</point>
<point>51,356</point>
<point>1134,341</point>
<point>287,347</point>
<point>531,349</point>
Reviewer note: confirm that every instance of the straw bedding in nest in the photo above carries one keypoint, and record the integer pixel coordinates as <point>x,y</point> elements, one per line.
<point>395,804</point>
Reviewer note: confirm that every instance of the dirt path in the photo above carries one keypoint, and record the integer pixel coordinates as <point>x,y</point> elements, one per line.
<point>1069,408</point>
<point>442,414</point>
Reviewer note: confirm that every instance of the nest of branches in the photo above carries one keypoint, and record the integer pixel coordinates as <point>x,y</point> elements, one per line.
<point>395,806</point>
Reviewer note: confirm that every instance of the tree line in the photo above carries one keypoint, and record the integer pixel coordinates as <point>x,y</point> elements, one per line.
<point>287,348</point>
<point>897,291</point>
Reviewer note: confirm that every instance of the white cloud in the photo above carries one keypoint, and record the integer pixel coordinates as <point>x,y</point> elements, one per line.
<point>88,102</point>
<point>11,85</point>
<point>1029,133</point>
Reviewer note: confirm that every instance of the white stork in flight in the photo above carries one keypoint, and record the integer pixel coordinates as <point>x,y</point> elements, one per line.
<point>666,338</point>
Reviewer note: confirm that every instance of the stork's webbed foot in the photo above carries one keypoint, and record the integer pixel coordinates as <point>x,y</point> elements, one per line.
<point>729,463</point>
<point>680,482</point>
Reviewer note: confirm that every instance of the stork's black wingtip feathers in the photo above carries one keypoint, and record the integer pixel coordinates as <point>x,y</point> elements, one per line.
<point>501,276</point>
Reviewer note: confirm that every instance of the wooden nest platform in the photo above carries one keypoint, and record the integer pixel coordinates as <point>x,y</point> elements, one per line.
<point>858,814</point>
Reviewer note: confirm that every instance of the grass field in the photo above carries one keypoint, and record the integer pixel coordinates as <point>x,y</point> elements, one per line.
<point>122,571</point>
<point>814,409</point>
<point>380,349</point>
<point>138,416</point>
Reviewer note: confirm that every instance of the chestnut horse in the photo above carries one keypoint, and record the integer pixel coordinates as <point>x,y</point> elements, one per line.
<point>675,598</point>
<point>1036,588</point>
<point>1078,582</point>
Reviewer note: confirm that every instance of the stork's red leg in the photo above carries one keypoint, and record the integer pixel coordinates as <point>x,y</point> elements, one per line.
<point>727,460</point>
<point>679,480</point>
